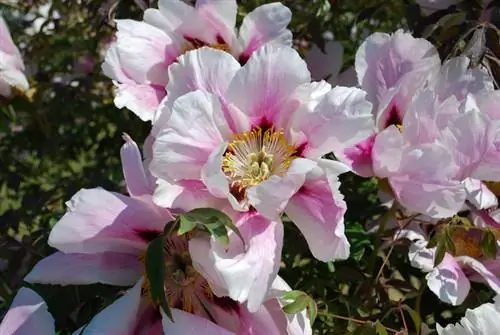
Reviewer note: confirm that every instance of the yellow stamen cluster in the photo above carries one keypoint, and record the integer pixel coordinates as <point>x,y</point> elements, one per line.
<point>196,45</point>
<point>254,156</point>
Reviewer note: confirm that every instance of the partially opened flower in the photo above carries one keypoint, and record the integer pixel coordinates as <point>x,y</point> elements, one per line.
<point>482,320</point>
<point>11,64</point>
<point>139,58</point>
<point>27,315</point>
<point>450,279</point>
<point>255,135</point>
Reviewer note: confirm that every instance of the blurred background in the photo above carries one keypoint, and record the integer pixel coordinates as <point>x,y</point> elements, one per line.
<point>64,134</point>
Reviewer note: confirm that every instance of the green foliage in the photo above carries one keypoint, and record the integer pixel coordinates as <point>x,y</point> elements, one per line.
<point>65,134</point>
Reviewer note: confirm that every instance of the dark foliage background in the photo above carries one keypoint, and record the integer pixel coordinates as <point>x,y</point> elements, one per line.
<point>65,134</point>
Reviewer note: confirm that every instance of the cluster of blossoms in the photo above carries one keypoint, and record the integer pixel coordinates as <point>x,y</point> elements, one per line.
<point>238,125</point>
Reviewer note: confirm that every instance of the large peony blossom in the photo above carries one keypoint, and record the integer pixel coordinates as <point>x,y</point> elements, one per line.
<point>11,64</point>
<point>482,320</point>
<point>255,136</point>
<point>428,134</point>
<point>103,238</point>
<point>138,60</point>
<point>450,279</point>
<point>27,315</point>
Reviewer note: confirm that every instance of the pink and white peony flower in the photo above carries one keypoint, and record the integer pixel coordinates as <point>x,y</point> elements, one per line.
<point>138,60</point>
<point>11,64</point>
<point>482,320</point>
<point>27,315</point>
<point>450,279</point>
<point>255,134</point>
<point>103,238</point>
<point>420,144</point>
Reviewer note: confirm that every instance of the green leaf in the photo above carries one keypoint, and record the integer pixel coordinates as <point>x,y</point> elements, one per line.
<point>417,320</point>
<point>298,305</point>
<point>489,244</point>
<point>212,220</point>
<point>380,329</point>
<point>331,267</point>
<point>298,301</point>
<point>440,252</point>
<point>312,310</point>
<point>155,273</point>
<point>448,241</point>
<point>185,225</point>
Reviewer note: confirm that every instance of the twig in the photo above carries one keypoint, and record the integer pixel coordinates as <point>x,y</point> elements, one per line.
<point>362,322</point>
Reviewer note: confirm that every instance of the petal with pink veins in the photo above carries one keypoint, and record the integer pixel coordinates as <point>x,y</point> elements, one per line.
<point>196,127</point>
<point>260,89</point>
<point>318,209</point>
<point>142,99</point>
<point>189,324</point>
<point>83,269</point>
<point>448,282</point>
<point>382,60</point>
<point>204,69</point>
<point>491,279</point>
<point>271,196</point>
<point>341,120</point>
<point>120,317</point>
<point>265,24</point>
<point>138,183</point>
<point>101,221</point>
<point>221,16</point>
<point>27,315</point>
<point>248,271</point>
<point>387,152</point>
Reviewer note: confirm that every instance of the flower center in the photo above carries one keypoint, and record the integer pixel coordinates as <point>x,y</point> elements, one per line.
<point>467,243</point>
<point>184,287</point>
<point>193,44</point>
<point>254,156</point>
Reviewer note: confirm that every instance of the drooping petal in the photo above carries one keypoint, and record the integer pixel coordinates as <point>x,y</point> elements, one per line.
<point>101,221</point>
<point>254,93</point>
<point>271,196</point>
<point>27,315</point>
<point>82,269</point>
<point>318,209</point>
<point>196,126</point>
<point>448,282</point>
<point>342,119</point>
<point>138,183</point>
<point>491,279</point>
<point>190,324</point>
<point>120,317</point>
<point>265,24</point>
<point>205,69</point>
<point>248,271</point>
<point>142,99</point>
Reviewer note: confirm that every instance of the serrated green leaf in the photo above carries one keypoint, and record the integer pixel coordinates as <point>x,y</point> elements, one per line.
<point>155,273</point>
<point>380,329</point>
